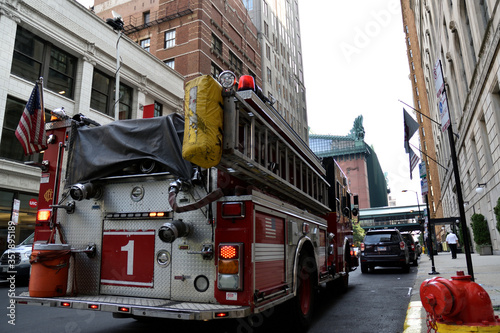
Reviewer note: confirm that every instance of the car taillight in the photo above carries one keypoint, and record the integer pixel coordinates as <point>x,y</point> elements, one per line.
<point>413,247</point>
<point>230,266</point>
<point>362,246</point>
<point>402,245</point>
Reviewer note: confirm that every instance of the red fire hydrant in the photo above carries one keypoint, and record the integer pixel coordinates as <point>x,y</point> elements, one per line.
<point>458,305</point>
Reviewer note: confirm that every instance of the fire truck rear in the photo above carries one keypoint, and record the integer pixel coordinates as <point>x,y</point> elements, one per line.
<point>221,214</point>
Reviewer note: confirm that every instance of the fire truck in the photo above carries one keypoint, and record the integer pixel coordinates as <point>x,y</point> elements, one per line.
<point>222,213</point>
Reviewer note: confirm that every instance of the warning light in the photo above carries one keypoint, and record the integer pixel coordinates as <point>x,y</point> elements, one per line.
<point>221,314</point>
<point>43,215</point>
<point>65,304</point>
<point>124,309</point>
<point>246,82</point>
<point>94,306</point>
<point>228,252</point>
<point>152,214</point>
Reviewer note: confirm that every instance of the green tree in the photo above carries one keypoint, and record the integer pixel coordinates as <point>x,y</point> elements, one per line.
<point>359,234</point>
<point>497,213</point>
<point>480,230</point>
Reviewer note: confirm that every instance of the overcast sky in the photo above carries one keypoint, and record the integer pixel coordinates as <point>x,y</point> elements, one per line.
<point>355,63</point>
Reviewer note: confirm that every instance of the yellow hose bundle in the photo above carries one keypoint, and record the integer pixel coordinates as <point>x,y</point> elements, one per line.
<point>203,122</point>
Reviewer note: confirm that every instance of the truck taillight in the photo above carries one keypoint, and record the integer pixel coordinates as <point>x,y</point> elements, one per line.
<point>230,266</point>
<point>43,215</point>
<point>233,210</point>
<point>362,246</point>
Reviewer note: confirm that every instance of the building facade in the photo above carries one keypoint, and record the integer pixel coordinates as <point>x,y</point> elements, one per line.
<point>464,36</point>
<point>193,37</point>
<point>75,53</point>
<point>422,113</point>
<point>278,24</point>
<point>358,161</point>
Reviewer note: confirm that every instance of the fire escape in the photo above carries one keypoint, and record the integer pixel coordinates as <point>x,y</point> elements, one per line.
<point>137,22</point>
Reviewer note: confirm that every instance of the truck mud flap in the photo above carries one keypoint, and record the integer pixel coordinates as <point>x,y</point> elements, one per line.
<point>140,307</point>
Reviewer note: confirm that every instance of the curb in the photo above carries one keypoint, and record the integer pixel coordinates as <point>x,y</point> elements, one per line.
<point>415,316</point>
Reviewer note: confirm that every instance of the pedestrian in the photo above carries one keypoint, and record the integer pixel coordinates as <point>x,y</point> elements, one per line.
<point>452,241</point>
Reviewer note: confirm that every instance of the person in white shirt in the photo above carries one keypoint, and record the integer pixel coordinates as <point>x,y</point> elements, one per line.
<point>452,241</point>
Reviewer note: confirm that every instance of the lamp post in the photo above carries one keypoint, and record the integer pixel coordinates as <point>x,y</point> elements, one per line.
<point>418,202</point>
<point>117,24</point>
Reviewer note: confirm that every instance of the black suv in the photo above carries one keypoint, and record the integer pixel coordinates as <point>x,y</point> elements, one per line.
<point>386,248</point>
<point>412,248</point>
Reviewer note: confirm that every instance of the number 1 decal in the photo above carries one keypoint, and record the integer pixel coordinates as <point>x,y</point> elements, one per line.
<point>128,258</point>
<point>129,248</point>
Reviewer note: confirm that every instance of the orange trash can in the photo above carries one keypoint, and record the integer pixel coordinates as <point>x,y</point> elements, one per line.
<point>49,270</point>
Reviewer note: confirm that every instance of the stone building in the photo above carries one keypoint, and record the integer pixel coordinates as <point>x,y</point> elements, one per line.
<point>464,36</point>
<point>278,23</point>
<point>74,51</point>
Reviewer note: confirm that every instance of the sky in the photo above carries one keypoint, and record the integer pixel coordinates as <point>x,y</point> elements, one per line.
<point>355,63</point>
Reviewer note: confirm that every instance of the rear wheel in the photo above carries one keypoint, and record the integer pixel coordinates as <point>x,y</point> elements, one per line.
<point>302,305</point>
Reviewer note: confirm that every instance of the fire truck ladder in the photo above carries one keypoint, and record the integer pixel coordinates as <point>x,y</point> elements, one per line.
<point>259,146</point>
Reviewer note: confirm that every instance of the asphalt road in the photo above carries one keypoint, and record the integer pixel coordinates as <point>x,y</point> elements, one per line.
<point>374,302</point>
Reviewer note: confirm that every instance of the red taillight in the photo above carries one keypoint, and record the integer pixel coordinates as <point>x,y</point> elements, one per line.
<point>65,304</point>
<point>413,247</point>
<point>246,82</point>
<point>402,245</point>
<point>362,246</point>
<point>43,215</point>
<point>228,252</point>
<point>235,210</point>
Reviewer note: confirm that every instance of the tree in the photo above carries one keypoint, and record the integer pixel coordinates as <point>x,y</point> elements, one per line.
<point>496,209</point>
<point>480,230</point>
<point>359,234</point>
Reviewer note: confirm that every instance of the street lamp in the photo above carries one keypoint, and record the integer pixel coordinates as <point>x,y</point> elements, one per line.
<point>117,24</point>
<point>418,202</point>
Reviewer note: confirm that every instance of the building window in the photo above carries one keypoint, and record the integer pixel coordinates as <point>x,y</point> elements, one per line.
<point>10,147</point>
<point>103,96</point>
<point>170,63</point>
<point>33,58</point>
<point>216,44</point>
<point>235,63</point>
<point>215,71</point>
<point>170,39</point>
<point>158,109</point>
<point>146,17</point>
<point>266,29</point>
<point>269,75</point>
<point>248,4</point>
<point>268,52</point>
<point>145,44</point>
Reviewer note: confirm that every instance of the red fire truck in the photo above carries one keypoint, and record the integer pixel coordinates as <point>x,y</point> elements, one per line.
<point>223,213</point>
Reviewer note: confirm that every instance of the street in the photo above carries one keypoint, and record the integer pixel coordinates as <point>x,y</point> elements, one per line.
<point>374,302</point>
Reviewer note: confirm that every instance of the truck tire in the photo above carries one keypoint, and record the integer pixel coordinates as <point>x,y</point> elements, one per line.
<point>364,268</point>
<point>302,304</point>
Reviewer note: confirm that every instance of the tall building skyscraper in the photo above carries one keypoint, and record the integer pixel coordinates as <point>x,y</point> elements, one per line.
<point>278,24</point>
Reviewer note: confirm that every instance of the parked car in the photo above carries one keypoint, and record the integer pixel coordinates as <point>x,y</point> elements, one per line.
<point>412,247</point>
<point>21,256</point>
<point>385,248</point>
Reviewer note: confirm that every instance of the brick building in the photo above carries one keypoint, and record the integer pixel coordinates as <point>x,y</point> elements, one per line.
<point>193,37</point>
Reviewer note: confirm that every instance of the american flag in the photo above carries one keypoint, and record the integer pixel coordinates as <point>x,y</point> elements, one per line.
<point>31,128</point>
<point>413,161</point>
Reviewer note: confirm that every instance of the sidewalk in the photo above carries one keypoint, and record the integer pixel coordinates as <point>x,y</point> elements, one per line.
<point>486,274</point>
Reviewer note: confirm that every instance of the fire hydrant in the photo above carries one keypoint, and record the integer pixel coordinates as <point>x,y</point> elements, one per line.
<point>458,305</point>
